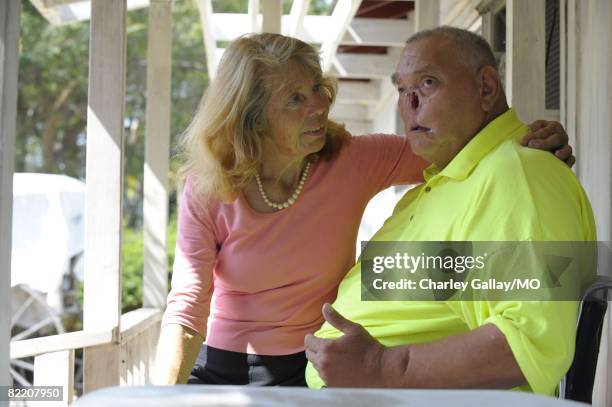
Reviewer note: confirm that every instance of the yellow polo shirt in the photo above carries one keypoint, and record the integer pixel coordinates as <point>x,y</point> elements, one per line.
<point>493,190</point>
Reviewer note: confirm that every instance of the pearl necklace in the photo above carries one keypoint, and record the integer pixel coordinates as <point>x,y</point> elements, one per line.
<point>291,199</point>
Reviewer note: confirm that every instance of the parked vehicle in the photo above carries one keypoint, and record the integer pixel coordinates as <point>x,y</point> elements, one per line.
<point>46,259</point>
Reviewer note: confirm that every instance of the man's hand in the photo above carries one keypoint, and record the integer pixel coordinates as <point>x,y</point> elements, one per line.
<point>353,360</point>
<point>550,136</point>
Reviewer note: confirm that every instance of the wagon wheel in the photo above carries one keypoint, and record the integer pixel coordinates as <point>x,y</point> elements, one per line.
<point>31,317</point>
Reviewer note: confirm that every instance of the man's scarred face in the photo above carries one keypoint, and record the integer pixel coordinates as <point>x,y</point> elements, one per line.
<point>439,99</point>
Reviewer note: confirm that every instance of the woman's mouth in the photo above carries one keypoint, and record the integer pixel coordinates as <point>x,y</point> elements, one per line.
<point>316,132</point>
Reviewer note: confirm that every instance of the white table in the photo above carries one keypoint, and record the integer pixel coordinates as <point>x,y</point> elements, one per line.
<point>200,395</point>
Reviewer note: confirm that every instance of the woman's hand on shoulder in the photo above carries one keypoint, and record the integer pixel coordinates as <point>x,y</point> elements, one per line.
<point>550,136</point>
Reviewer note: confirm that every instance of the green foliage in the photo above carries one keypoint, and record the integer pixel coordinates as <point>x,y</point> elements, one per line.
<point>132,265</point>
<point>131,270</point>
<point>52,95</point>
<point>320,7</point>
<point>171,245</point>
<point>230,6</point>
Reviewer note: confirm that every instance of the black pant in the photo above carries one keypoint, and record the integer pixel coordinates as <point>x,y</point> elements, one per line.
<point>218,366</point>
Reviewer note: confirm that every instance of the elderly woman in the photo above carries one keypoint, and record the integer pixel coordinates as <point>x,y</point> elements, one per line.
<point>269,215</point>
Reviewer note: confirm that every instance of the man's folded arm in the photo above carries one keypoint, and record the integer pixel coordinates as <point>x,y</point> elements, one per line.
<point>481,358</point>
<point>518,343</point>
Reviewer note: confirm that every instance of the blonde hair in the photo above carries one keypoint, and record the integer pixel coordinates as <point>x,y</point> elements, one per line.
<point>222,147</point>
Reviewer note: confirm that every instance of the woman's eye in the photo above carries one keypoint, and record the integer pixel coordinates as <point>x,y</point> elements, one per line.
<point>317,88</point>
<point>297,98</point>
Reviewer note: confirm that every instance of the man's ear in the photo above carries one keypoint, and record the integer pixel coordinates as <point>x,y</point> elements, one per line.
<point>490,87</point>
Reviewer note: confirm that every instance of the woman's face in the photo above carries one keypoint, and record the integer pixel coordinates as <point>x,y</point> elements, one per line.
<point>297,115</point>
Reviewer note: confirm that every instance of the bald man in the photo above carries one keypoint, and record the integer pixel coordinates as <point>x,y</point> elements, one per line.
<point>482,186</point>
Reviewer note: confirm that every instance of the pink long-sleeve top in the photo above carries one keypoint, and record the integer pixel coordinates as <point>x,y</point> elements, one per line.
<point>260,279</point>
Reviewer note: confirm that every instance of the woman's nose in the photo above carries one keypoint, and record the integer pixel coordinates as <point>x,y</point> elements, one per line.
<point>319,105</point>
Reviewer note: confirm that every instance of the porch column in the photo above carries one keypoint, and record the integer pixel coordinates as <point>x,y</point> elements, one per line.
<point>272,13</point>
<point>157,152</point>
<point>525,41</point>
<point>9,65</point>
<point>427,14</point>
<point>104,184</point>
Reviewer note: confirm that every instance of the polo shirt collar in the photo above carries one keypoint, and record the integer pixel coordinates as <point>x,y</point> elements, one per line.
<point>493,134</point>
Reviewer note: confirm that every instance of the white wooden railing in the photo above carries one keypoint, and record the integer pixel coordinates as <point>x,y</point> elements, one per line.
<point>54,355</point>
